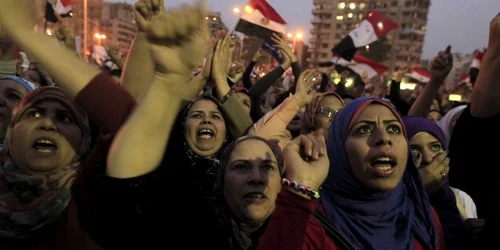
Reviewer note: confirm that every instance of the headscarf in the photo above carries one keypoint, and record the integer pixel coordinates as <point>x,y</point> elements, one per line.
<point>241,236</point>
<point>29,86</point>
<point>417,124</point>
<point>205,168</point>
<point>444,200</point>
<point>444,123</point>
<point>30,202</point>
<point>310,111</point>
<point>382,220</point>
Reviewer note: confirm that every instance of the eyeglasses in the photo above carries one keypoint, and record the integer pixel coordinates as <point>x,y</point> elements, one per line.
<point>328,111</point>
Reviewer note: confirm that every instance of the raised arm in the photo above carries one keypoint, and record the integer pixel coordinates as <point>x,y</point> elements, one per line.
<point>71,72</point>
<point>440,68</point>
<point>484,100</point>
<point>139,146</point>
<point>138,69</point>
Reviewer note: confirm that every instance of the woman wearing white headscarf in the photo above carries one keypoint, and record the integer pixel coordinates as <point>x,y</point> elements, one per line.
<point>447,123</point>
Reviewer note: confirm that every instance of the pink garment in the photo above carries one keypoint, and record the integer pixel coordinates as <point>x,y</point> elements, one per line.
<point>272,126</point>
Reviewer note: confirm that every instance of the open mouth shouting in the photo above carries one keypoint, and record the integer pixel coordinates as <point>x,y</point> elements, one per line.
<point>206,133</point>
<point>383,164</point>
<point>45,145</point>
<point>255,197</point>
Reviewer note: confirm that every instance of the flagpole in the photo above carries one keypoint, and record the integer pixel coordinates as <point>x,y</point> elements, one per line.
<point>85,34</point>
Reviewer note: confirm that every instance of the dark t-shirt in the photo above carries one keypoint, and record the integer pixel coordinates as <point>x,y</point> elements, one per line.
<point>474,160</point>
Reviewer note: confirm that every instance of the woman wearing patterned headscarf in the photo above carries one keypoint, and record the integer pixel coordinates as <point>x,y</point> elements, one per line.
<point>320,112</point>
<point>47,139</point>
<point>372,197</point>
<point>247,185</point>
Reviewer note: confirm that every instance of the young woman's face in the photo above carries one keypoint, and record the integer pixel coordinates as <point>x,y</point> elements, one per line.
<point>252,181</point>
<point>46,137</point>
<point>328,107</point>
<point>205,128</point>
<point>377,148</point>
<point>427,146</point>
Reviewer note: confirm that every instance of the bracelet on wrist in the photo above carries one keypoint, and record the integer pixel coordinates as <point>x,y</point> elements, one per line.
<point>311,193</point>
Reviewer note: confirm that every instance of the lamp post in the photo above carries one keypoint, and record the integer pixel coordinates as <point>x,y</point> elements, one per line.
<point>237,11</point>
<point>100,37</point>
<point>294,37</point>
<point>85,29</point>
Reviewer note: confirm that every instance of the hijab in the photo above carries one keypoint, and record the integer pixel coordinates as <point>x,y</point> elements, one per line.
<point>29,202</point>
<point>29,86</point>
<point>310,111</point>
<point>242,236</point>
<point>445,122</point>
<point>369,219</point>
<point>444,201</point>
<point>205,168</point>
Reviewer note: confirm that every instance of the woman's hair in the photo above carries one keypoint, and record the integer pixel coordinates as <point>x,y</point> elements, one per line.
<point>239,233</point>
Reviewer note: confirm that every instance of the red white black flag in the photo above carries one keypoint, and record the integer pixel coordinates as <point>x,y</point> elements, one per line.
<point>373,27</point>
<point>259,19</point>
<point>61,7</point>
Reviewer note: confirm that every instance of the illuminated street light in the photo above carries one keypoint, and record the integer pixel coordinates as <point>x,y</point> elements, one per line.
<point>289,35</point>
<point>100,36</point>
<point>299,35</point>
<point>236,10</point>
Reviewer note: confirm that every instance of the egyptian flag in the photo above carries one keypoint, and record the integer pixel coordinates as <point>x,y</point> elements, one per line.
<point>373,27</point>
<point>62,7</point>
<point>420,75</point>
<point>475,65</point>
<point>362,66</point>
<point>259,19</point>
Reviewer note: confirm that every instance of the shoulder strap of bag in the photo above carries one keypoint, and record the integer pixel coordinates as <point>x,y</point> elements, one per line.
<point>339,240</point>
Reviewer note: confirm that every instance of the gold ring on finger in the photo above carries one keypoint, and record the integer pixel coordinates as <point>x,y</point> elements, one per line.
<point>443,175</point>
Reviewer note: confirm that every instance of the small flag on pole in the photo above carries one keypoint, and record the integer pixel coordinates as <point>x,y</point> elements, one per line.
<point>259,19</point>
<point>475,65</point>
<point>362,66</point>
<point>373,27</point>
<point>420,75</point>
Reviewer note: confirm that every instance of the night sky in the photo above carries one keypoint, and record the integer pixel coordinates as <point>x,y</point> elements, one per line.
<point>462,23</point>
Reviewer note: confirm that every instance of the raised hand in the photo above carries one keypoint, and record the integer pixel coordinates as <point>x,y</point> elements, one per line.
<point>306,160</point>
<point>65,33</point>
<point>494,41</point>
<point>179,39</point>
<point>441,65</point>
<point>305,86</point>
<point>207,68</point>
<point>222,59</point>
<point>434,174</point>
<point>283,46</point>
